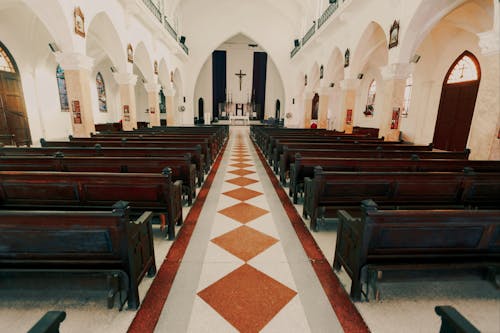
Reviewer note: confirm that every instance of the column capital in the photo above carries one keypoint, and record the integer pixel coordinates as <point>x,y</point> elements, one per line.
<point>152,87</point>
<point>489,42</point>
<point>396,71</point>
<point>349,84</point>
<point>74,61</point>
<point>125,78</point>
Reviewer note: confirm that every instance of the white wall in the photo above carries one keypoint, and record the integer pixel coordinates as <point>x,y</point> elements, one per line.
<point>204,88</point>
<point>274,91</point>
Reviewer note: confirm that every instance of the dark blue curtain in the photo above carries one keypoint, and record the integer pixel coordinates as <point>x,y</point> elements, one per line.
<point>259,82</point>
<point>218,80</point>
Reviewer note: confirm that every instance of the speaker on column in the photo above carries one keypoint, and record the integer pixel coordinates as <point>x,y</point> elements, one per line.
<point>182,40</point>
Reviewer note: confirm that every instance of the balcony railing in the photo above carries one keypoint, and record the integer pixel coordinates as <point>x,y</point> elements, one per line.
<point>184,47</point>
<point>294,51</point>
<point>327,13</point>
<point>152,7</point>
<point>169,28</point>
<point>309,34</point>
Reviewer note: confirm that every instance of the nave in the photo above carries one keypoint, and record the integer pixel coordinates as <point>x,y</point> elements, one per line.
<point>238,265</point>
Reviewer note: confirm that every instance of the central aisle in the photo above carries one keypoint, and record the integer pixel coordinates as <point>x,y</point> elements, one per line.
<point>244,268</point>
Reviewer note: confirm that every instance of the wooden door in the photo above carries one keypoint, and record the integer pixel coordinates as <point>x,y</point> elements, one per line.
<point>277,114</point>
<point>201,109</point>
<point>458,100</point>
<point>13,117</point>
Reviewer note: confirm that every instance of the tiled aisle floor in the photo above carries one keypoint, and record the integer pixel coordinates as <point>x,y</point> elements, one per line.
<point>244,269</point>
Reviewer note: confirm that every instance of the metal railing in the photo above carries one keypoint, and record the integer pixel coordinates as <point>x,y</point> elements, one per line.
<point>327,13</point>
<point>309,34</point>
<point>184,47</point>
<point>294,51</point>
<point>169,28</point>
<point>153,9</point>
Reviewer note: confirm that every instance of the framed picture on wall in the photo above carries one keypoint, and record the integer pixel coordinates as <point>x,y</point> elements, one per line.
<point>395,118</point>
<point>347,56</point>
<point>155,67</point>
<point>348,117</point>
<point>79,22</point>
<point>394,34</point>
<point>130,53</point>
<point>77,115</point>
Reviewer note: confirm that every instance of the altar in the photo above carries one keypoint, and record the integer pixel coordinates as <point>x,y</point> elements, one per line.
<point>234,118</point>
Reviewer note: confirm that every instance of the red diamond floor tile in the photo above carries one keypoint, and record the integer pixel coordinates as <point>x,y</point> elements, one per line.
<point>244,242</point>
<point>242,194</point>
<point>242,181</point>
<point>247,298</point>
<point>243,212</point>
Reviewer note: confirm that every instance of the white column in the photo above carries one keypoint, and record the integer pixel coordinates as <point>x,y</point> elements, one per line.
<point>348,87</point>
<point>153,89</point>
<point>127,82</point>
<point>77,68</point>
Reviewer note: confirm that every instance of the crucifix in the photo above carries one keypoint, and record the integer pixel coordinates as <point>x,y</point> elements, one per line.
<point>240,75</point>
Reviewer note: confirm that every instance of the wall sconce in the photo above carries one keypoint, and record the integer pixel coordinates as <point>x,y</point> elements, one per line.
<point>182,39</point>
<point>113,69</point>
<point>332,84</point>
<point>360,76</point>
<point>184,99</point>
<point>415,58</point>
<point>54,48</point>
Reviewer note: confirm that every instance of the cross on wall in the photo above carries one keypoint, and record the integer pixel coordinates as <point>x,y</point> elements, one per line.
<point>240,75</point>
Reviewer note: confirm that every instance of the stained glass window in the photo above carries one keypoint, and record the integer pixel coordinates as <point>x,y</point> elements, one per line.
<point>465,70</point>
<point>101,93</point>
<point>407,95</point>
<point>61,85</point>
<point>370,102</point>
<point>5,63</point>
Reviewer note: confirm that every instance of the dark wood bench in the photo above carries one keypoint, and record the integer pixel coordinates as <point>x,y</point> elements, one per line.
<point>414,239</point>
<point>289,154</point>
<point>81,242</point>
<point>49,323</point>
<point>85,142</point>
<point>304,167</point>
<point>181,166</point>
<point>94,190</point>
<point>386,146</point>
<point>452,321</point>
<point>196,157</point>
<point>330,191</point>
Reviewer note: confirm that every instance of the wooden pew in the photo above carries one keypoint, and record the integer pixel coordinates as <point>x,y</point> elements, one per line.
<point>49,323</point>
<point>181,166</point>
<point>81,242</point>
<point>452,321</point>
<point>124,143</point>
<point>304,167</point>
<point>330,191</point>
<point>288,156</point>
<point>359,145</point>
<point>94,190</point>
<point>196,156</point>
<point>414,239</point>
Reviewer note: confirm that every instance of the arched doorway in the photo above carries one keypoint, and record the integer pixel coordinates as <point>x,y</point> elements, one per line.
<point>456,107</point>
<point>315,107</point>
<point>201,110</point>
<point>277,114</point>
<point>14,126</point>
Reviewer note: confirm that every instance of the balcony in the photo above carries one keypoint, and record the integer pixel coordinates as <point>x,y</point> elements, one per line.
<point>309,34</point>
<point>327,13</point>
<point>153,9</point>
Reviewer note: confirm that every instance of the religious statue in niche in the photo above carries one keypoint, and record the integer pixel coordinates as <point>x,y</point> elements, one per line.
<point>155,67</point>
<point>347,55</point>
<point>79,22</point>
<point>321,72</point>
<point>394,34</point>
<point>130,53</point>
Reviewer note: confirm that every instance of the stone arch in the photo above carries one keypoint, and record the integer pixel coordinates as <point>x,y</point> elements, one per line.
<point>102,34</point>
<point>370,51</point>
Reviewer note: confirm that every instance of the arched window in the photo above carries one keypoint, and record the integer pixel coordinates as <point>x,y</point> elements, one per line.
<point>61,85</point>
<point>101,93</point>
<point>370,102</point>
<point>465,70</point>
<point>407,96</point>
<point>5,63</point>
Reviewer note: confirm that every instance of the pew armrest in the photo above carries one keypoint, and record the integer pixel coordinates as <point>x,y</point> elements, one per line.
<point>49,323</point>
<point>144,218</point>
<point>453,322</point>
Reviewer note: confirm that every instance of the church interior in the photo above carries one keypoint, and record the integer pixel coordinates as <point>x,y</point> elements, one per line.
<point>249,166</point>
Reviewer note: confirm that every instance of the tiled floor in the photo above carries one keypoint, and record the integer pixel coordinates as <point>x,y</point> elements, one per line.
<point>244,269</point>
